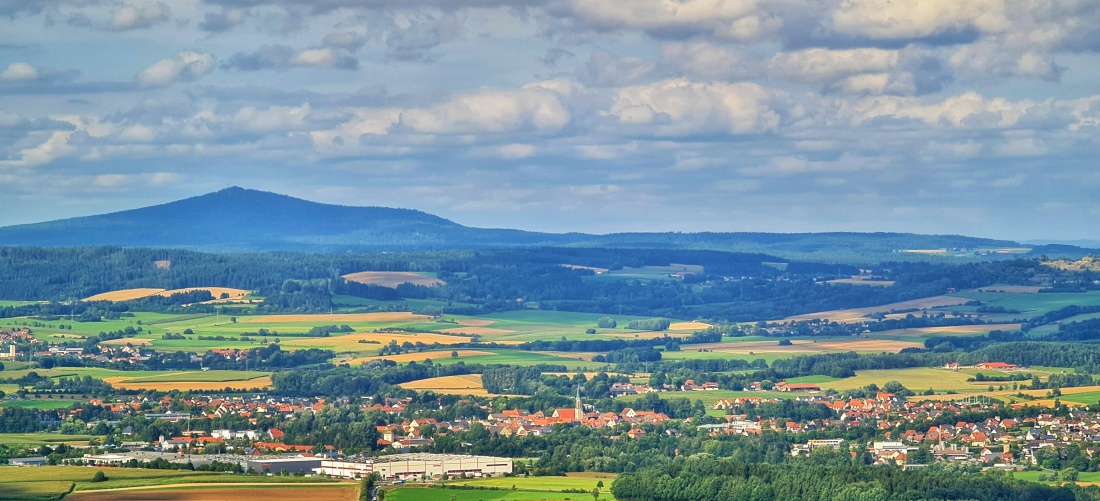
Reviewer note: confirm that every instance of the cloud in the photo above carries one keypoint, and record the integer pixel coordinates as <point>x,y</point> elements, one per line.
<point>227,19</point>
<point>708,60</point>
<point>606,70</point>
<point>536,107</point>
<point>823,65</point>
<point>968,110</point>
<point>347,40</point>
<point>730,19</point>
<point>282,57</point>
<point>891,20</point>
<point>186,66</point>
<point>681,107</point>
<point>145,16</point>
<point>19,72</point>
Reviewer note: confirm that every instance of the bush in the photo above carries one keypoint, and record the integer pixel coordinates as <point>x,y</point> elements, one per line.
<point>99,477</point>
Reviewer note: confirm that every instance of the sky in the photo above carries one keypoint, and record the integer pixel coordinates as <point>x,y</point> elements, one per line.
<point>975,117</point>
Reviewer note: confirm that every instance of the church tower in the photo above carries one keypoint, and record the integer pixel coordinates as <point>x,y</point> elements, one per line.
<point>579,406</point>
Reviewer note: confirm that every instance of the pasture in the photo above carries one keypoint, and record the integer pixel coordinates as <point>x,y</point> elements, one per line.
<point>192,492</point>
<point>149,380</point>
<point>439,494</point>
<point>44,439</point>
<point>1033,304</point>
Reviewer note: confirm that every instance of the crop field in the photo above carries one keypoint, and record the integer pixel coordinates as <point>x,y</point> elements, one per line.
<point>710,397</point>
<point>1034,304</point>
<point>860,314</point>
<point>24,491</point>
<point>692,326</point>
<point>371,342</point>
<point>921,378</point>
<point>647,273</point>
<point>439,494</point>
<point>420,356</point>
<point>123,295</point>
<point>192,492</point>
<point>467,384</point>
<point>241,384</point>
<point>41,404</point>
<point>805,346</point>
<point>575,361</point>
<point>552,484</point>
<point>130,294</point>
<point>394,278</point>
<point>337,318</point>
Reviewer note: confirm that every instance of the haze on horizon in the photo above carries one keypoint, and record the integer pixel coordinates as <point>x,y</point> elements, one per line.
<point>975,117</point>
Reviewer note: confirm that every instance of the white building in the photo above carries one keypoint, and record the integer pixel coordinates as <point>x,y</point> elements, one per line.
<point>418,465</point>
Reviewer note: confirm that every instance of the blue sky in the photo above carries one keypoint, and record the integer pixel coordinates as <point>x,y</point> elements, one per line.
<point>976,117</point>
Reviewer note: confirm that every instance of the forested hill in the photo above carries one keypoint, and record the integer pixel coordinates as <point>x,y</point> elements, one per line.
<point>237,219</point>
<point>240,220</point>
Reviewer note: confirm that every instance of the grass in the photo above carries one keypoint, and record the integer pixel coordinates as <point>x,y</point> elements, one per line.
<point>43,439</point>
<point>33,491</point>
<point>710,397</point>
<point>41,404</point>
<point>1033,476</point>
<point>439,494</point>
<point>539,483</point>
<point>1034,304</point>
<point>1088,398</point>
<point>19,479</point>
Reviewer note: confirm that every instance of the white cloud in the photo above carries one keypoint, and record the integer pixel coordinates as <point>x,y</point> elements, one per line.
<point>186,66</point>
<point>823,65</point>
<point>19,72</point>
<point>682,107</point>
<point>708,60</point>
<point>134,17</point>
<point>605,69</point>
<point>969,110</point>
<point>890,19</point>
<point>733,19</point>
<point>534,108</point>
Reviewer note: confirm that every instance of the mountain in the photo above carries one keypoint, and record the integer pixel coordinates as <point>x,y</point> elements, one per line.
<point>240,220</point>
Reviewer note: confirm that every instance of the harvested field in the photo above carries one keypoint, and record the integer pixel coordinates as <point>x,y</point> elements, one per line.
<point>128,383</point>
<point>214,291</point>
<point>936,331</point>
<point>420,356</point>
<point>694,325</point>
<point>476,322</point>
<point>1013,289</point>
<point>163,264</point>
<point>392,278</point>
<point>124,295</point>
<point>204,492</point>
<point>481,331</point>
<point>395,316</point>
<point>860,314</point>
<point>468,384</point>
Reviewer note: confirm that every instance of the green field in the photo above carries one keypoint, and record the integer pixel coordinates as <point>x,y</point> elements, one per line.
<point>440,494</point>
<point>1033,476</point>
<point>1089,398</point>
<point>520,357</point>
<point>43,404</point>
<point>44,438</point>
<point>540,483</point>
<point>1032,304</point>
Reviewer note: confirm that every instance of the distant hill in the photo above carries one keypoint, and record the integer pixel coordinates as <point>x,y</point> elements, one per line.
<point>237,219</point>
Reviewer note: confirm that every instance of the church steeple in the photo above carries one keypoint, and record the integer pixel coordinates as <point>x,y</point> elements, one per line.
<point>579,406</point>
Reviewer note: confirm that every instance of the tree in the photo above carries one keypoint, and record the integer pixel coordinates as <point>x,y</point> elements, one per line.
<point>99,477</point>
<point>595,493</point>
<point>454,354</point>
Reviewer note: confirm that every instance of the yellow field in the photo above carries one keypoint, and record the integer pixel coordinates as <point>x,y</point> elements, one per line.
<point>958,329</point>
<point>694,325</point>
<point>420,356</point>
<point>476,322</point>
<point>388,316</point>
<point>130,294</point>
<point>135,341</point>
<point>469,384</point>
<point>860,314</point>
<point>127,384</point>
<point>392,278</point>
<point>977,388</point>
<point>124,295</point>
<point>214,291</point>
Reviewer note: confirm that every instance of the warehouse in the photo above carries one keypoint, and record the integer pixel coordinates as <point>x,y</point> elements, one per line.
<point>289,465</point>
<point>418,465</point>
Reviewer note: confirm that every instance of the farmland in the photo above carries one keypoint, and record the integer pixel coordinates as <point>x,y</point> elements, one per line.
<point>49,482</point>
<point>193,492</point>
<point>469,384</point>
<point>130,294</point>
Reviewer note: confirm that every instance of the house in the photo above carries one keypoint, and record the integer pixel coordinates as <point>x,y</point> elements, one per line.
<point>785,386</point>
<point>636,433</point>
<point>1000,366</point>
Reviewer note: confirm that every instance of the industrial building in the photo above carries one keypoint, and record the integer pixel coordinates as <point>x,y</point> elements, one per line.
<point>417,465</point>
<point>291,465</point>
